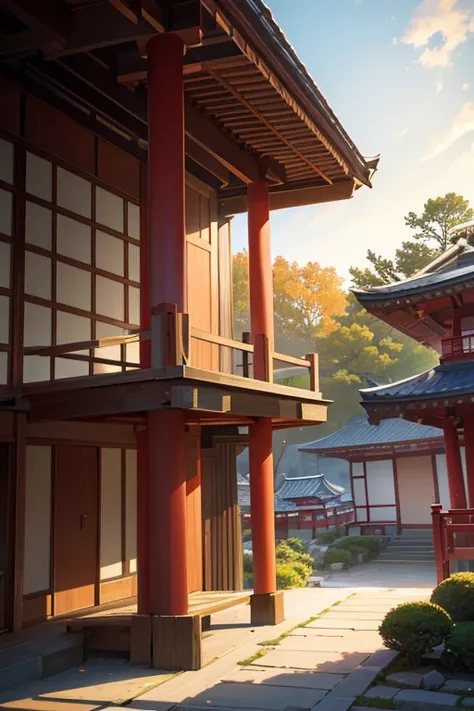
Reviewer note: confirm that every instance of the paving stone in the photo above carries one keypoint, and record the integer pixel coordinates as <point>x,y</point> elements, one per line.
<point>287,677</point>
<point>344,624</point>
<point>356,683</point>
<point>311,631</point>
<point>343,614</point>
<point>350,642</point>
<point>433,680</point>
<point>411,679</point>
<point>20,671</point>
<point>331,662</point>
<point>381,658</point>
<point>459,685</point>
<point>421,696</point>
<point>381,692</point>
<point>334,704</point>
<point>468,702</point>
<point>262,696</point>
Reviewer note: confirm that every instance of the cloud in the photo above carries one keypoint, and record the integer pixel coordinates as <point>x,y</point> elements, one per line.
<point>462,124</point>
<point>439,19</point>
<point>394,41</point>
<point>465,87</point>
<point>439,86</point>
<point>403,132</point>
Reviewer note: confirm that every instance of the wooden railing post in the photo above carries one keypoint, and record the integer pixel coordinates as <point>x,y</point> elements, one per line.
<point>170,336</point>
<point>442,565</point>
<point>245,356</point>
<point>313,360</point>
<point>262,358</point>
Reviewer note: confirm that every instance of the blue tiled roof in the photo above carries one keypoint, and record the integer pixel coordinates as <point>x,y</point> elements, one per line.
<point>309,487</point>
<point>359,433</point>
<point>443,381</point>
<point>456,271</point>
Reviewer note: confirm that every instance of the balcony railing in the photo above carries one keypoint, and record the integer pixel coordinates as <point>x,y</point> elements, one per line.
<point>457,347</point>
<point>171,338</point>
<point>453,536</point>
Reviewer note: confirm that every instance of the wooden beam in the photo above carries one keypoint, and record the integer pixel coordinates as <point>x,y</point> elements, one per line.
<point>132,67</point>
<point>50,20</point>
<point>127,9</point>
<point>287,196</point>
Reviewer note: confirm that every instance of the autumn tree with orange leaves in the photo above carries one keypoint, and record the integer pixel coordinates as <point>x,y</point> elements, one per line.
<point>306,300</point>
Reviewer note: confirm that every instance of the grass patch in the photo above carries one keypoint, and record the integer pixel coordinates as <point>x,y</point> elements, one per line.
<point>250,660</point>
<point>375,703</point>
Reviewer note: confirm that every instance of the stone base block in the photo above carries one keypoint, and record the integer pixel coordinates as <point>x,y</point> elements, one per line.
<point>206,623</point>
<point>267,608</point>
<point>177,642</point>
<point>140,640</point>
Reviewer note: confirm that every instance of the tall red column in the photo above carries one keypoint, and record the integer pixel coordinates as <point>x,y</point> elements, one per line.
<point>142,433</point>
<point>168,589</point>
<point>260,433</point>
<point>457,493</point>
<point>469,445</point>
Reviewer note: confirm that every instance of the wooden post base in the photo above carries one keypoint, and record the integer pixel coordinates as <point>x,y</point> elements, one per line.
<point>177,642</point>
<point>140,640</point>
<point>206,623</point>
<point>267,608</point>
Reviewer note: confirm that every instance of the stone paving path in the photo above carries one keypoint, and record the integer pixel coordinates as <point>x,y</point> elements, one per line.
<point>323,665</point>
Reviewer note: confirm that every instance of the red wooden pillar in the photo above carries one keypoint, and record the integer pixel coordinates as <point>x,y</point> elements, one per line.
<point>262,503</point>
<point>457,493</point>
<point>142,434</point>
<point>469,445</point>
<point>264,607</point>
<point>168,589</point>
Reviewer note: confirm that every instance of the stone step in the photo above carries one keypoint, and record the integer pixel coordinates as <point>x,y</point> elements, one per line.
<point>39,658</point>
<point>407,554</point>
<point>401,561</point>
<point>417,547</point>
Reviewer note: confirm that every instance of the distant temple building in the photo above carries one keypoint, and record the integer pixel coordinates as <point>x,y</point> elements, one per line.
<point>398,469</point>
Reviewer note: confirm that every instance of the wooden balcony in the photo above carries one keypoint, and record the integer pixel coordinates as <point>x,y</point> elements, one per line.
<point>457,347</point>
<point>169,379</point>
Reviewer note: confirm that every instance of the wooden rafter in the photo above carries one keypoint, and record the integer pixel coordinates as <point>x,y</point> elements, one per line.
<point>223,82</point>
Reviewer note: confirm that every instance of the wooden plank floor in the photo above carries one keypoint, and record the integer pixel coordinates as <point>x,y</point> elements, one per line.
<point>200,603</point>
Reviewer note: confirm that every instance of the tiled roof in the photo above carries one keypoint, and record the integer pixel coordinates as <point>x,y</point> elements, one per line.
<point>243,491</point>
<point>359,433</point>
<point>440,273</point>
<point>309,487</point>
<point>448,379</point>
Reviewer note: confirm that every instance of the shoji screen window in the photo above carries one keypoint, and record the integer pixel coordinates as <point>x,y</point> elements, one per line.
<point>7,155</point>
<point>81,270</point>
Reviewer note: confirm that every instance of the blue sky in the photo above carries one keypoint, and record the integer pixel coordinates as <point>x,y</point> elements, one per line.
<point>399,75</point>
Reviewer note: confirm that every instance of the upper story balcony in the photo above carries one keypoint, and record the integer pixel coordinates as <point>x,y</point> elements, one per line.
<point>457,347</point>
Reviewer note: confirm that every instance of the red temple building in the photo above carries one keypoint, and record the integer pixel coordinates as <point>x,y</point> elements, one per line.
<point>130,134</point>
<point>436,307</point>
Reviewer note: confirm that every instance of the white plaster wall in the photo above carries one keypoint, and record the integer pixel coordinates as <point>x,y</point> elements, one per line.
<point>383,513</point>
<point>111,513</point>
<point>359,492</point>
<point>442,470</point>
<point>357,469</point>
<point>37,564</point>
<point>380,485</point>
<point>416,489</point>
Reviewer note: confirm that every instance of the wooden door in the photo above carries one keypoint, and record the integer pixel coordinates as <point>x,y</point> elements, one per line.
<point>5,538</point>
<point>76,528</point>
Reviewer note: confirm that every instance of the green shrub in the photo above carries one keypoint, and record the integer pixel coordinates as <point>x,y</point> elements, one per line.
<point>288,577</point>
<point>414,628</point>
<point>354,545</point>
<point>337,555</point>
<point>458,652</point>
<point>248,580</point>
<point>248,563</point>
<point>304,571</point>
<point>286,554</point>
<point>325,538</point>
<point>373,544</point>
<point>297,545</point>
<point>456,596</point>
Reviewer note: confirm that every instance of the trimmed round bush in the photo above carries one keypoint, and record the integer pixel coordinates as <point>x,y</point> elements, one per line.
<point>337,555</point>
<point>414,628</point>
<point>458,651</point>
<point>288,577</point>
<point>456,596</point>
<point>304,571</point>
